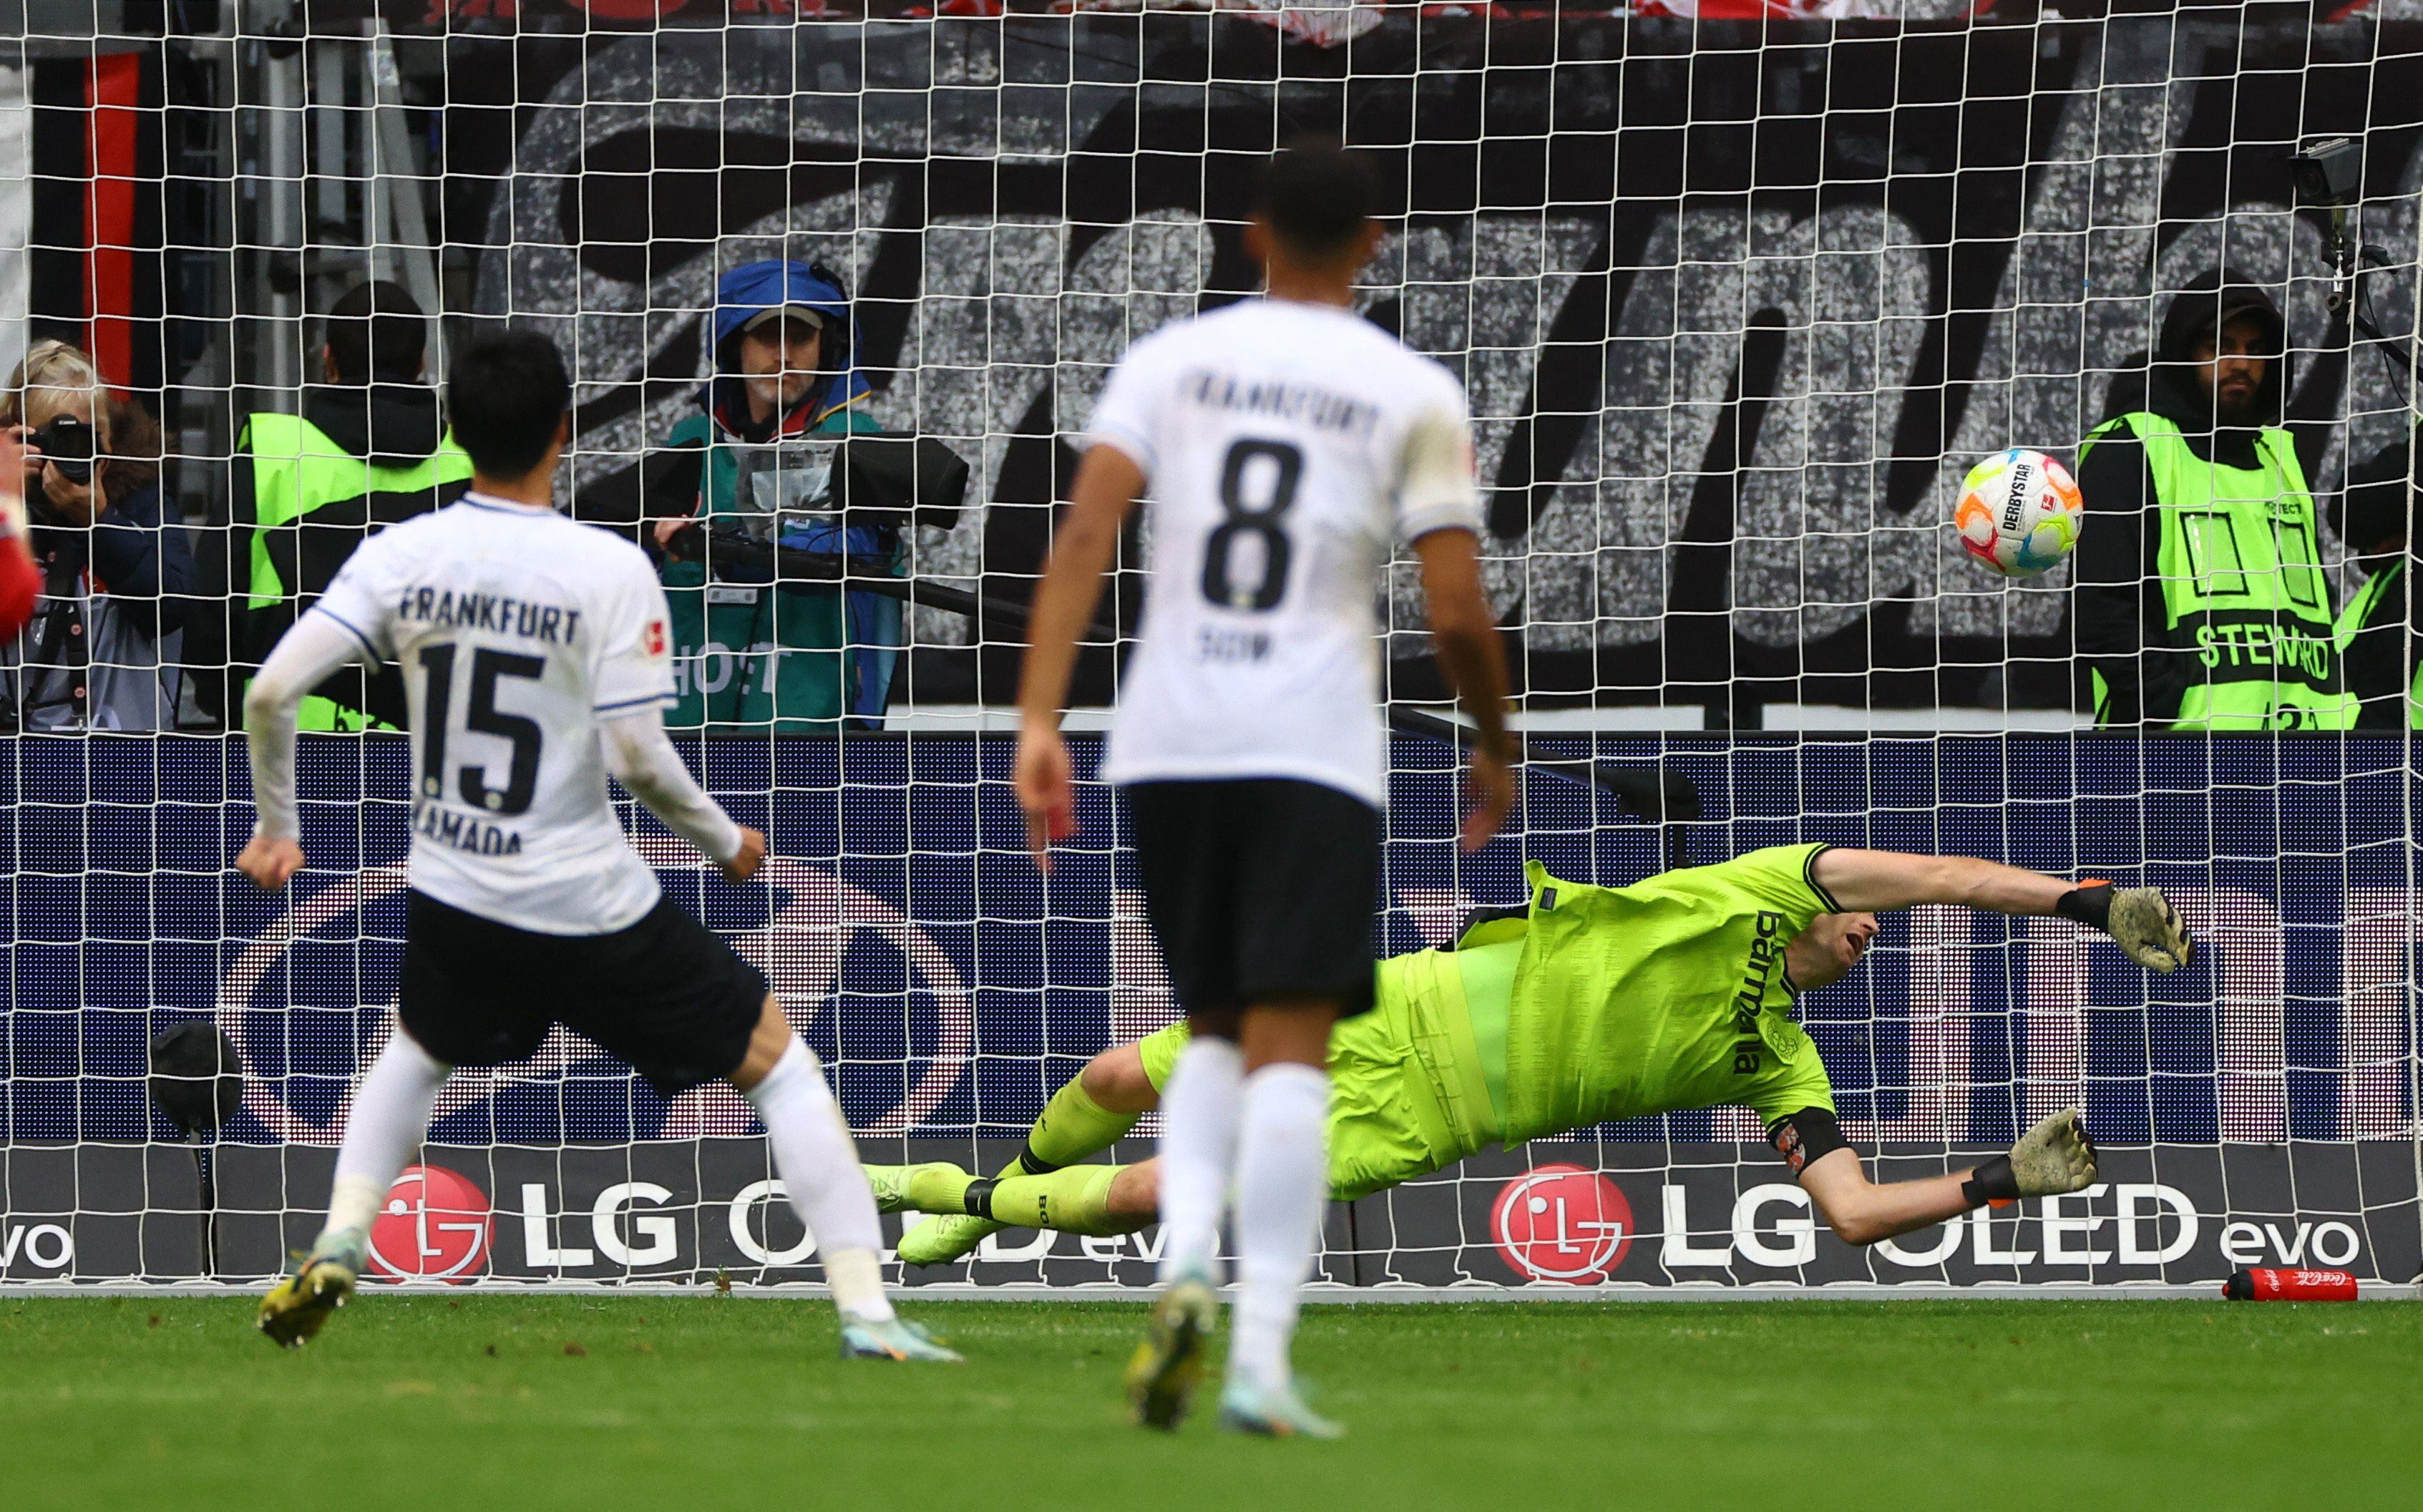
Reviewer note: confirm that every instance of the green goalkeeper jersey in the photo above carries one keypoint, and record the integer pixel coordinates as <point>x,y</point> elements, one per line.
<point>1599,1003</point>
<point>1668,995</point>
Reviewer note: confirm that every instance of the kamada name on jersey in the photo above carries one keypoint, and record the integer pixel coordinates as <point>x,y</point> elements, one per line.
<point>467,833</point>
<point>499,612</point>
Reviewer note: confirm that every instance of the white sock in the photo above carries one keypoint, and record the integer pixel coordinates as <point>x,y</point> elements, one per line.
<point>1198,1151</point>
<point>390,1116</point>
<point>818,1162</point>
<point>1282,1186</point>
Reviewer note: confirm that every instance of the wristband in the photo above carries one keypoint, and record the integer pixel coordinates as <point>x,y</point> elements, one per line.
<point>1993,1182</point>
<point>2089,902</point>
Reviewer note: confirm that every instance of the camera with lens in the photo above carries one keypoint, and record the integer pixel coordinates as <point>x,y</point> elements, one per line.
<point>66,443</point>
<point>2328,174</point>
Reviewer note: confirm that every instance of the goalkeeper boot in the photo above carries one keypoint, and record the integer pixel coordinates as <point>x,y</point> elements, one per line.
<point>895,1338</point>
<point>944,1237</point>
<point>1169,1366</point>
<point>1268,1413</point>
<point>2055,1158</point>
<point>897,1187</point>
<point>298,1307</point>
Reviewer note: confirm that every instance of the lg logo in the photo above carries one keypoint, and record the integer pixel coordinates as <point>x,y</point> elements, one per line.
<point>435,1226</point>
<point>1563,1223</point>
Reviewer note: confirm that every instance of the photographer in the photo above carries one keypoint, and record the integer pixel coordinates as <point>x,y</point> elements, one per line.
<point>117,579</point>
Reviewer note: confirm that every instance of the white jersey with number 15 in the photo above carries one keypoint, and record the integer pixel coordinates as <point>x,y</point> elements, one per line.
<point>517,630</point>
<point>1285,445</point>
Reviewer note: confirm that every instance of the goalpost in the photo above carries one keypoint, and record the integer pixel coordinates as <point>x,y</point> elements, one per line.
<point>1738,303</point>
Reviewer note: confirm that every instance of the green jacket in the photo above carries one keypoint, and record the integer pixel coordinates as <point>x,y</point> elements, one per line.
<point>759,657</point>
<point>2244,599</point>
<point>311,503</point>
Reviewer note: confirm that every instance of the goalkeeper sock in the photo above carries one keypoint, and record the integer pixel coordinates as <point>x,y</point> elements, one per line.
<point>390,1116</point>
<point>1282,1185</point>
<point>1073,1127</point>
<point>1075,1201</point>
<point>818,1163</point>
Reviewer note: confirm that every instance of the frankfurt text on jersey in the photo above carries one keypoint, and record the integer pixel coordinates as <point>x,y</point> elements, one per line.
<point>1309,404</point>
<point>500,612</point>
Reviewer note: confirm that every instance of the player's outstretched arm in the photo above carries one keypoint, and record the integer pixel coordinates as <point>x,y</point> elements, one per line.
<point>2051,1159</point>
<point>2143,920</point>
<point>1474,663</point>
<point>305,656</point>
<point>1086,538</point>
<point>643,760</point>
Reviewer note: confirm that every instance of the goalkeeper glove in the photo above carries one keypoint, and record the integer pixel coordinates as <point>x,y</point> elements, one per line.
<point>2051,1159</point>
<point>2141,920</point>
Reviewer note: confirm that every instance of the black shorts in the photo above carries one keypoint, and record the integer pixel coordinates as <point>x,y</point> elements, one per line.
<point>665,995</point>
<point>1260,889</point>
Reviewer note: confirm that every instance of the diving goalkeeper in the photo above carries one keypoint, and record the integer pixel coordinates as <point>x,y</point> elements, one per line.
<point>1592,1004</point>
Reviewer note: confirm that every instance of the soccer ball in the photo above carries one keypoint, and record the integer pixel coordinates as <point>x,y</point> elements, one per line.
<point>2019,512</point>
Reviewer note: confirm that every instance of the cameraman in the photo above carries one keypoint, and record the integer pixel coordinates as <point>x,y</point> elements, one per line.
<point>117,579</point>
<point>760,657</point>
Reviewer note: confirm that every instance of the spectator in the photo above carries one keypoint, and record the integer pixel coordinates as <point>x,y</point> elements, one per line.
<point>2201,599</point>
<point>2381,635</point>
<point>369,449</point>
<point>765,656</point>
<point>118,580</point>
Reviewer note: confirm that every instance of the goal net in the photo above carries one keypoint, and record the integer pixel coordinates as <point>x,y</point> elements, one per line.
<point>1739,301</point>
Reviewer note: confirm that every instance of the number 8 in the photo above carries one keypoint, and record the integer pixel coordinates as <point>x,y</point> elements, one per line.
<point>1262,521</point>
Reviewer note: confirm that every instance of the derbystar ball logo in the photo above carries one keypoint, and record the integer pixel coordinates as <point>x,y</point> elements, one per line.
<point>435,1226</point>
<point>1562,1222</point>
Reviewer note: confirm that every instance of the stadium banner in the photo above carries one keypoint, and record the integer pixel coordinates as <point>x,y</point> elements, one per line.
<point>2261,1101</point>
<point>1738,304</point>
<point>1612,1213</point>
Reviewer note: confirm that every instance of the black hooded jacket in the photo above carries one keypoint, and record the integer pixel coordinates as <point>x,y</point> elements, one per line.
<point>2119,593</point>
<point>2383,507</point>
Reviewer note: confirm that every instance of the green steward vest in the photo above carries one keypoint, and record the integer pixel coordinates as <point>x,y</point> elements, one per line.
<point>299,473</point>
<point>2359,613</point>
<point>2244,593</point>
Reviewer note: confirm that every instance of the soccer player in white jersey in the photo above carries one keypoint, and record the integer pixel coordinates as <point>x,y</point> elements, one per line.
<point>534,656</point>
<point>1285,441</point>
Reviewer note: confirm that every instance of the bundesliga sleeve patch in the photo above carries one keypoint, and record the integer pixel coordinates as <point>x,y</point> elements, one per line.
<point>652,640</point>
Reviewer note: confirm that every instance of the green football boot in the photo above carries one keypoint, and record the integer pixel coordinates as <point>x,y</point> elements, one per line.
<point>897,1187</point>
<point>298,1307</point>
<point>944,1237</point>
<point>1169,1365</point>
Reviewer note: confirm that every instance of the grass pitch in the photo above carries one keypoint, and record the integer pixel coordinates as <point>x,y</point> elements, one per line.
<point>527,1403</point>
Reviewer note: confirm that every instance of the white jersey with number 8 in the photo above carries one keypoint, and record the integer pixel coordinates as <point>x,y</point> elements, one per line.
<point>1284,445</point>
<point>517,630</point>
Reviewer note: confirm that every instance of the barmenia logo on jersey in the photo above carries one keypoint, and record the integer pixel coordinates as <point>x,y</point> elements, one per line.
<point>434,1225</point>
<point>1562,1222</point>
